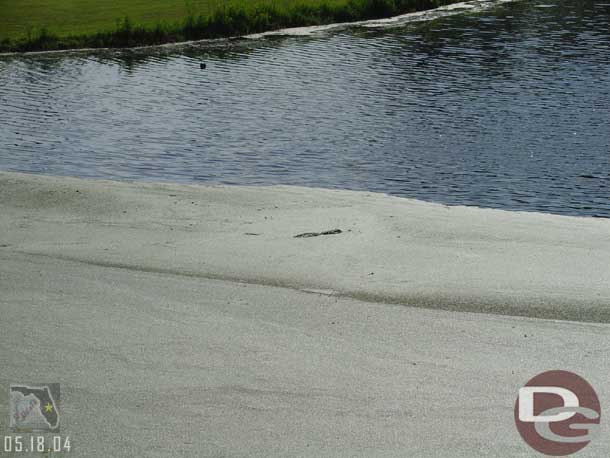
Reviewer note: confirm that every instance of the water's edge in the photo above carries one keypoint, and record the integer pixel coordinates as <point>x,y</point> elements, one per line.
<point>458,7</point>
<point>501,109</point>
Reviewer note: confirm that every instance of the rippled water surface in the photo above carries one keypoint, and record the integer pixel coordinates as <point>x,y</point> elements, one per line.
<point>508,107</point>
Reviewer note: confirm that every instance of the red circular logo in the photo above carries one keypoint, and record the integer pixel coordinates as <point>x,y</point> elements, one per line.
<point>557,413</point>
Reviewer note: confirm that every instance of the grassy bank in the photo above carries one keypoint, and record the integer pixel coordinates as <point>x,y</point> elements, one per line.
<point>31,25</point>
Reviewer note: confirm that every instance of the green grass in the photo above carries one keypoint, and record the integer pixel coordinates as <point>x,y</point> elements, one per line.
<point>27,25</point>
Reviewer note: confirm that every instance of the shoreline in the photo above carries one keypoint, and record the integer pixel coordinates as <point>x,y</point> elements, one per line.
<point>391,249</point>
<point>373,21</point>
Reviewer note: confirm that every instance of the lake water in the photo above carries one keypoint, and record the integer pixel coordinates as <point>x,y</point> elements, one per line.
<point>506,105</point>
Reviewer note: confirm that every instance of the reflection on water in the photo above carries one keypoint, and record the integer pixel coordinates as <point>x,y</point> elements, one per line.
<point>509,108</point>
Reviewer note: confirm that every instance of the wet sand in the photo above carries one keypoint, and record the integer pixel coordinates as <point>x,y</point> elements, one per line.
<point>188,321</point>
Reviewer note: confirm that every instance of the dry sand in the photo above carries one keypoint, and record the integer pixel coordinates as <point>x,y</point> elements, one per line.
<point>188,321</point>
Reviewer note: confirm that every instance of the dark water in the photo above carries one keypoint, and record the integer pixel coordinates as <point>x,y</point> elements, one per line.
<point>506,108</point>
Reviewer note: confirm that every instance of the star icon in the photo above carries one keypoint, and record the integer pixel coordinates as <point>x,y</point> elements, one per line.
<point>48,407</point>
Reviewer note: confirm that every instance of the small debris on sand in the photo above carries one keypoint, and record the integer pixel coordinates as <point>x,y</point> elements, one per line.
<point>324,292</point>
<point>316,234</point>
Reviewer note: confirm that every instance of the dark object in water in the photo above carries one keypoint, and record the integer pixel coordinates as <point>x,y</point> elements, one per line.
<point>316,234</point>
<point>202,66</point>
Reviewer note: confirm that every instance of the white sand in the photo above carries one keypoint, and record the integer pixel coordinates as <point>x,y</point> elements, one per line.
<point>391,249</point>
<point>156,311</point>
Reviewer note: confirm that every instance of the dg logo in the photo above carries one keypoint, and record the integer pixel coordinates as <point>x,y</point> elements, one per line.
<point>557,413</point>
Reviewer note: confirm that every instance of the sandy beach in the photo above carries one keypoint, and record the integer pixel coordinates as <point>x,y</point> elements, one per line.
<point>190,321</point>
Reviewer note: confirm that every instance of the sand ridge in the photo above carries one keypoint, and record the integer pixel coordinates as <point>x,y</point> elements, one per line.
<point>390,249</point>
